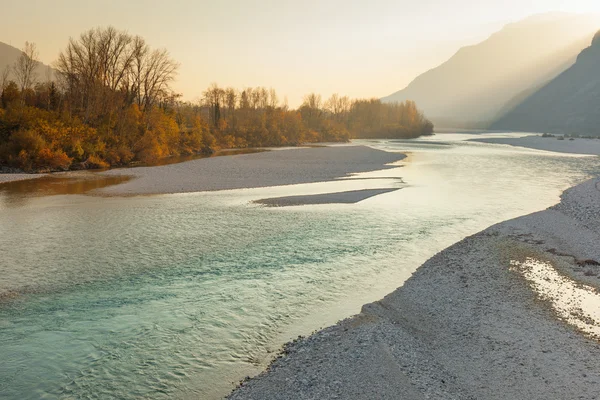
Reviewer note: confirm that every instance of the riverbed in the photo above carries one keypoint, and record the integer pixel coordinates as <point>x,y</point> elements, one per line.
<point>182,295</point>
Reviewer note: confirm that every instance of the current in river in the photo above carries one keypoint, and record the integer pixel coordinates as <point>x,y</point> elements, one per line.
<point>181,296</point>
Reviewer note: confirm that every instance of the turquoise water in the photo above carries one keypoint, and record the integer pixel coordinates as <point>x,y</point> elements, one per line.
<point>178,296</point>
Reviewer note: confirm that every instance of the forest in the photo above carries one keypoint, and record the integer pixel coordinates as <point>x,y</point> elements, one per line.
<point>110,103</point>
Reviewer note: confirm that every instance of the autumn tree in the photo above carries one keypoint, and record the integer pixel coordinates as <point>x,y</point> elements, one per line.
<point>112,104</point>
<point>104,66</point>
<point>338,106</point>
<point>213,98</point>
<point>311,110</point>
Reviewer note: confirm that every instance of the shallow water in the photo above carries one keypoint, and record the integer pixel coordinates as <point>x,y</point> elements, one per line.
<point>178,296</point>
<point>16,193</point>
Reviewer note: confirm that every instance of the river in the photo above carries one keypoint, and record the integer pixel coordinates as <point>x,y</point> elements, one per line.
<point>179,296</point>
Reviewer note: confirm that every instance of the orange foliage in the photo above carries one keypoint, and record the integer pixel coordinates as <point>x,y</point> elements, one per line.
<point>96,162</point>
<point>53,159</point>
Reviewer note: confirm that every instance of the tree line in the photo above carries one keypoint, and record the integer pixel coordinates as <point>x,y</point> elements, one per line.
<point>110,102</point>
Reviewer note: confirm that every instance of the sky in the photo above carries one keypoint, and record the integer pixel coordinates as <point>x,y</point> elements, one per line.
<point>352,47</point>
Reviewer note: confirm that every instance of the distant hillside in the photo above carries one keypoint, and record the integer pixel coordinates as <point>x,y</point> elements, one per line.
<point>476,84</point>
<point>568,104</point>
<point>8,56</point>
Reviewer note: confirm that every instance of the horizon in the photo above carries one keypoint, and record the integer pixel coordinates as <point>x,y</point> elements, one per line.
<point>271,62</point>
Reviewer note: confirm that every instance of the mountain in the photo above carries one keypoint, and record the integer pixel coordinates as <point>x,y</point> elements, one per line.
<point>473,87</point>
<point>568,104</point>
<point>8,56</point>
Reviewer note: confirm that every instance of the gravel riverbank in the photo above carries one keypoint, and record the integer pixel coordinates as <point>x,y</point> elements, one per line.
<point>466,325</point>
<point>575,146</point>
<point>270,168</point>
<point>5,178</point>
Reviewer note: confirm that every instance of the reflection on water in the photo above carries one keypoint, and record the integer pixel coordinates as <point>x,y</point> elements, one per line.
<point>575,303</point>
<point>177,296</point>
<point>16,193</point>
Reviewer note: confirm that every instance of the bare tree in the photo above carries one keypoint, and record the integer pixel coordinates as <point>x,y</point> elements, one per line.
<point>24,67</point>
<point>263,97</point>
<point>4,78</point>
<point>273,98</point>
<point>159,72</point>
<point>231,98</point>
<point>312,101</point>
<point>107,64</point>
<point>140,52</point>
<point>213,98</point>
<point>311,110</point>
<point>254,97</point>
<point>115,56</point>
<point>286,105</point>
<point>338,106</point>
<point>49,75</point>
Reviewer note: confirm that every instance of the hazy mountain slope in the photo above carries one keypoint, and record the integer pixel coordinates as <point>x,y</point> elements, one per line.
<point>474,85</point>
<point>568,104</point>
<point>8,56</point>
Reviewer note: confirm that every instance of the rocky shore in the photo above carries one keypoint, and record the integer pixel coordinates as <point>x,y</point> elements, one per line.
<point>468,324</point>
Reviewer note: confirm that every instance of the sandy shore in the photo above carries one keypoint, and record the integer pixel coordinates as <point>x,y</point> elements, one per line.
<point>4,178</point>
<point>272,168</point>
<point>575,146</point>
<point>468,324</point>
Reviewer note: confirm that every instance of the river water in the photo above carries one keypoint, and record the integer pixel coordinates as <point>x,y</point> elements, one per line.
<point>178,296</point>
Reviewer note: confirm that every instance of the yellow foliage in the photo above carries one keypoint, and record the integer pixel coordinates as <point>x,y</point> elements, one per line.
<point>228,142</point>
<point>53,160</point>
<point>149,149</point>
<point>96,162</point>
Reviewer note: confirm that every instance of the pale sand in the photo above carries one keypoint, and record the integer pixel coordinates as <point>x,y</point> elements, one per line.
<point>464,326</point>
<point>18,177</point>
<point>272,168</point>
<point>575,146</point>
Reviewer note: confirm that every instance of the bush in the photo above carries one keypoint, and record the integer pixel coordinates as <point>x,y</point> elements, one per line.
<point>95,162</point>
<point>27,150</point>
<point>53,160</point>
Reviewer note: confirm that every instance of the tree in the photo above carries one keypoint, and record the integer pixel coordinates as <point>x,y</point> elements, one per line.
<point>105,66</point>
<point>231,98</point>
<point>273,99</point>
<point>10,94</point>
<point>4,78</point>
<point>158,71</point>
<point>213,98</point>
<point>311,110</point>
<point>24,67</point>
<point>338,106</point>
<point>112,104</point>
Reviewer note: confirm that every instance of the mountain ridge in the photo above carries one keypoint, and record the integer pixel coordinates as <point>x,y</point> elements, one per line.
<point>474,85</point>
<point>569,104</point>
<point>9,54</point>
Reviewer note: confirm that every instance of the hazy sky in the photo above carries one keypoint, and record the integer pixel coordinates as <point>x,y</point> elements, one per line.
<point>359,48</point>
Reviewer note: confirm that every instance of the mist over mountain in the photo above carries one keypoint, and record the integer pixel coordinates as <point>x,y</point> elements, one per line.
<point>10,54</point>
<point>568,104</point>
<point>481,82</point>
